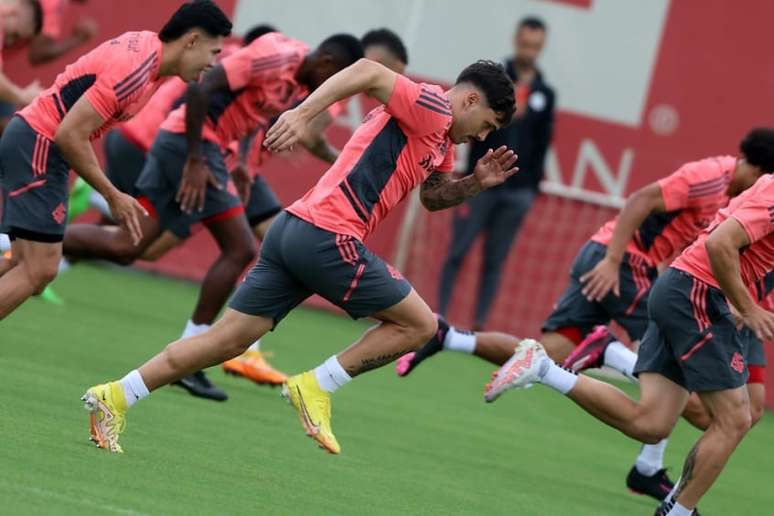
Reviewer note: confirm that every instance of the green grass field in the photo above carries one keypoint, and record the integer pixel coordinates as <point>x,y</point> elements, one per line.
<point>426,444</point>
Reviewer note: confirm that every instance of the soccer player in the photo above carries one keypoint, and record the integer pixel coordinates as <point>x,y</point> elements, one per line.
<point>316,246</point>
<point>613,273</point>
<point>49,44</point>
<point>109,84</point>
<point>380,45</point>
<point>183,182</point>
<point>691,345</point>
<point>20,20</point>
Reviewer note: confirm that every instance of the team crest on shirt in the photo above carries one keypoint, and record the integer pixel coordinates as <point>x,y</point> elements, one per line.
<point>59,214</point>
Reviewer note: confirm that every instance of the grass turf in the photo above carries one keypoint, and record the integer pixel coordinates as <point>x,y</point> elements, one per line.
<point>426,444</point>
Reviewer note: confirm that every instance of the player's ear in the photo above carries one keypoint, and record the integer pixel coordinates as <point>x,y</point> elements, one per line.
<point>471,99</point>
<point>192,38</point>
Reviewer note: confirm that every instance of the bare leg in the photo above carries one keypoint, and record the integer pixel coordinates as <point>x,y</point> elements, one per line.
<point>237,250</point>
<point>730,411</point>
<point>557,346</point>
<point>261,228</point>
<point>697,414</point>
<point>227,338</point>
<point>495,347</point>
<point>403,328</point>
<point>161,246</point>
<point>649,420</point>
<point>109,242</point>
<point>36,266</point>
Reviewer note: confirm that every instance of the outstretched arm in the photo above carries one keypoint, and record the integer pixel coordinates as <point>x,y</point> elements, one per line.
<point>604,277</point>
<point>439,191</point>
<point>723,247</point>
<point>364,76</point>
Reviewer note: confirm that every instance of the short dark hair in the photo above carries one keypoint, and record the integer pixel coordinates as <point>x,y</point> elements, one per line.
<point>758,148</point>
<point>531,22</point>
<point>37,16</point>
<point>386,38</point>
<point>490,78</point>
<point>345,49</point>
<point>258,31</point>
<point>201,14</point>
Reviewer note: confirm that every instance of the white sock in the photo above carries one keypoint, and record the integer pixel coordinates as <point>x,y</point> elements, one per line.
<point>462,341</point>
<point>97,201</point>
<point>557,377</point>
<point>621,358</point>
<point>5,243</point>
<point>651,458</point>
<point>679,510</point>
<point>134,388</point>
<point>64,264</point>
<point>192,330</point>
<point>330,375</point>
<point>255,346</point>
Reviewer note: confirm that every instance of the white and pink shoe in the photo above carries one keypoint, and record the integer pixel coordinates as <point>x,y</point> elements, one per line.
<point>526,367</point>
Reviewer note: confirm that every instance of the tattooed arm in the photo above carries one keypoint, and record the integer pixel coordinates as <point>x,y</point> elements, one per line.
<point>440,191</point>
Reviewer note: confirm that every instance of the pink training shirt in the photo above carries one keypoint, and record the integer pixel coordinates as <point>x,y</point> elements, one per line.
<point>754,210</point>
<point>142,129</point>
<point>692,196</point>
<point>395,149</point>
<point>117,78</point>
<point>262,84</point>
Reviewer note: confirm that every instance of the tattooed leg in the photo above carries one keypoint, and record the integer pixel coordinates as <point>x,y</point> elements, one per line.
<point>403,328</point>
<point>730,421</point>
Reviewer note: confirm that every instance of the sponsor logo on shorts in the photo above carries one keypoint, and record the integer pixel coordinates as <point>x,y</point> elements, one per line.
<point>737,362</point>
<point>60,213</point>
<point>394,272</point>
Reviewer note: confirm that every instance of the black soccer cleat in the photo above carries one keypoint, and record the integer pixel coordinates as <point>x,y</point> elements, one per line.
<point>657,486</point>
<point>409,361</point>
<point>665,507</point>
<point>199,385</point>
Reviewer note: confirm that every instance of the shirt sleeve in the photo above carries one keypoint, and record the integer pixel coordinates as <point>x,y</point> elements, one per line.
<point>447,165</point>
<point>103,97</point>
<point>259,62</point>
<point>422,108</point>
<point>694,184</point>
<point>756,216</point>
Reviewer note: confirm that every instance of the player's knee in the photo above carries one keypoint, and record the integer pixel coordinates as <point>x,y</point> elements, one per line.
<point>424,328</point>
<point>125,252</point>
<point>756,413</point>
<point>244,253</point>
<point>41,274</point>
<point>734,423</point>
<point>651,429</point>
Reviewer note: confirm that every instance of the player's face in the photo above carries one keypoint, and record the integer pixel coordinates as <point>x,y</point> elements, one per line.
<point>383,56</point>
<point>200,53</point>
<point>528,43</point>
<point>18,24</point>
<point>323,69</point>
<point>474,121</point>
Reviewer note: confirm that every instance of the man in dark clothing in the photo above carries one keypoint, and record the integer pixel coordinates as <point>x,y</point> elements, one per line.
<point>499,211</point>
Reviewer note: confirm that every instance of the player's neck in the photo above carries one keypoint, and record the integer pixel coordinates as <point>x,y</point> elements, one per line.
<point>171,52</point>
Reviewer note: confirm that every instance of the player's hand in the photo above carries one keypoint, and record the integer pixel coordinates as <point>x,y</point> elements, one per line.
<point>85,29</point>
<point>495,167</point>
<point>761,322</point>
<point>289,129</point>
<point>603,278</point>
<point>242,181</point>
<point>31,91</point>
<point>193,186</point>
<point>127,212</point>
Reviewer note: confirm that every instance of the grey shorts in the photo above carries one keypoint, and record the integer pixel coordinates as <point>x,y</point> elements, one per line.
<point>692,338</point>
<point>124,161</point>
<point>630,310</point>
<point>7,109</point>
<point>34,184</point>
<point>263,203</point>
<point>298,260</point>
<point>753,348</point>
<point>160,179</point>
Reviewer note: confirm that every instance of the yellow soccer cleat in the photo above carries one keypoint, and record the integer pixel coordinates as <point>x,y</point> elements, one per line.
<point>253,366</point>
<point>314,409</point>
<point>107,419</point>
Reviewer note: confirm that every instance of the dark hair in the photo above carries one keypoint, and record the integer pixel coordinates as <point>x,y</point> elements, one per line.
<point>490,78</point>
<point>37,15</point>
<point>388,39</point>
<point>345,49</point>
<point>200,14</point>
<point>258,31</point>
<point>758,148</point>
<point>531,22</point>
